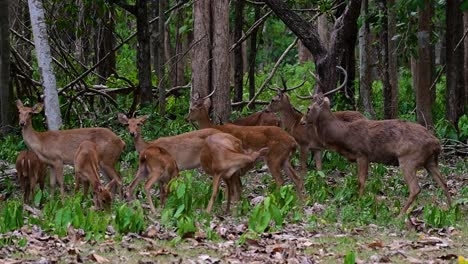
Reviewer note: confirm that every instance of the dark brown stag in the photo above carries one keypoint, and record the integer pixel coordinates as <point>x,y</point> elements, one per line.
<point>391,142</point>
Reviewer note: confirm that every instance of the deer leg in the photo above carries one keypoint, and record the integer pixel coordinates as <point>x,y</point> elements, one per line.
<point>409,172</point>
<point>216,179</point>
<point>155,175</point>
<point>433,170</point>
<point>138,178</point>
<point>33,185</point>
<point>86,188</point>
<point>274,166</point>
<point>77,181</point>
<point>318,159</point>
<point>298,182</point>
<point>230,193</point>
<point>111,174</point>
<point>363,167</point>
<point>163,192</point>
<point>57,173</point>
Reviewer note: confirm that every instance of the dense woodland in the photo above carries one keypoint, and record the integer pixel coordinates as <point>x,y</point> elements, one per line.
<point>136,71</point>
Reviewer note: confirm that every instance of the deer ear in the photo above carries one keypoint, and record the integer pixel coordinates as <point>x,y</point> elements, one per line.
<point>143,118</point>
<point>207,103</point>
<point>326,102</point>
<point>19,104</point>
<point>123,119</point>
<point>37,108</point>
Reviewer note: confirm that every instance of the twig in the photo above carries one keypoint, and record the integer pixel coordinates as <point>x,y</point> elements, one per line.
<point>275,68</point>
<point>250,30</point>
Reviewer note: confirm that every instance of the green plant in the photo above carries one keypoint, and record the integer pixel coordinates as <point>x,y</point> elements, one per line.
<point>12,216</point>
<point>436,217</point>
<point>350,258</point>
<point>317,186</point>
<point>463,128</point>
<point>130,218</point>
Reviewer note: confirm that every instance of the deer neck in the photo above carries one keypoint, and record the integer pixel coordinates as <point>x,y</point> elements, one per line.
<point>289,117</point>
<point>31,137</point>
<point>329,127</point>
<point>204,120</point>
<point>140,143</point>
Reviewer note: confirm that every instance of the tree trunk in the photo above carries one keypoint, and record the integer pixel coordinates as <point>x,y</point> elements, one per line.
<point>253,55</point>
<point>465,68</point>
<point>202,46</point>
<point>324,27</point>
<point>390,108</point>
<point>393,55</point>
<point>220,27</point>
<point>143,52</point>
<point>238,58</point>
<point>6,91</point>
<point>303,53</point>
<point>105,39</point>
<point>180,42</point>
<point>455,93</point>
<point>161,49</point>
<point>424,69</point>
<point>365,83</point>
<point>44,59</point>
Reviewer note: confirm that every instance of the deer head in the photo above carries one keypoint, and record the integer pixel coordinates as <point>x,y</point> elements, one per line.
<point>26,113</point>
<point>281,99</point>
<point>103,197</point>
<point>134,124</point>
<point>199,106</point>
<point>319,104</point>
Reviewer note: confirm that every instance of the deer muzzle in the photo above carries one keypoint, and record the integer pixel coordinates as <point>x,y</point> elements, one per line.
<point>22,123</point>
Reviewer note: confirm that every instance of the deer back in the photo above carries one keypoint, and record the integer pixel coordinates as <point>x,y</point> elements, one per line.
<point>28,167</point>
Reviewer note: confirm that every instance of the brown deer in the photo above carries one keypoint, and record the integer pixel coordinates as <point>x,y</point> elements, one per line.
<point>223,157</point>
<point>280,144</point>
<point>57,148</point>
<point>391,142</point>
<point>157,166</point>
<point>306,138</point>
<point>260,118</point>
<point>87,172</point>
<point>30,170</point>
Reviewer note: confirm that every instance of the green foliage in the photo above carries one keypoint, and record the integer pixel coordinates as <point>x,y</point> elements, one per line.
<point>463,127</point>
<point>350,258</point>
<point>317,186</point>
<point>11,217</point>
<point>274,209</point>
<point>11,145</point>
<point>130,218</point>
<point>436,217</point>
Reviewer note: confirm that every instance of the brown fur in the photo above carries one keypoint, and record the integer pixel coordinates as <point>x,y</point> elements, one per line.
<point>57,148</point>
<point>222,157</point>
<point>157,166</point>
<point>30,170</point>
<point>87,172</point>
<point>306,138</point>
<point>280,144</point>
<point>261,118</point>
<point>391,142</point>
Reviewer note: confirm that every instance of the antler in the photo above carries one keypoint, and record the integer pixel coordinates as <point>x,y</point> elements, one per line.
<point>285,86</point>
<point>331,91</point>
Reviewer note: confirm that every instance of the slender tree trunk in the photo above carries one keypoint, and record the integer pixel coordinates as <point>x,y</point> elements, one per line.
<point>253,55</point>
<point>455,93</point>
<point>238,58</point>
<point>424,70</point>
<point>393,54</point>
<point>465,68</point>
<point>390,109</point>
<point>180,42</point>
<point>44,59</point>
<point>202,46</point>
<point>220,27</point>
<point>161,49</point>
<point>6,92</point>
<point>105,38</point>
<point>365,83</point>
<point>143,52</point>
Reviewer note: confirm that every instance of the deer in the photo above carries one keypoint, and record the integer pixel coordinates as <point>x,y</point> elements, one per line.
<point>157,166</point>
<point>392,142</point>
<point>87,172</point>
<point>291,120</point>
<point>222,156</point>
<point>30,170</point>
<point>185,148</point>
<point>56,148</point>
<point>260,118</point>
<point>280,144</point>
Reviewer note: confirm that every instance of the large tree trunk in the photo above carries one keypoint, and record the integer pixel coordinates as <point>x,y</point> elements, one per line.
<point>424,69</point>
<point>324,27</point>
<point>326,60</point>
<point>44,59</point>
<point>303,53</point>
<point>392,52</point>
<point>465,68</point>
<point>238,58</point>
<point>252,56</point>
<point>143,52</point>
<point>455,93</point>
<point>202,46</point>
<point>6,92</point>
<point>220,27</point>
<point>180,43</point>
<point>365,79</point>
<point>390,108</point>
<point>161,49</point>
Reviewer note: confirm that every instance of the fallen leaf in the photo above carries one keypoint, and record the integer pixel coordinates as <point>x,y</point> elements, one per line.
<point>375,245</point>
<point>98,259</point>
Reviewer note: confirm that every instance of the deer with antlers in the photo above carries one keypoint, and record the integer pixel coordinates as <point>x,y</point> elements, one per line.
<point>57,148</point>
<point>260,118</point>
<point>280,144</point>
<point>391,142</point>
<point>291,119</point>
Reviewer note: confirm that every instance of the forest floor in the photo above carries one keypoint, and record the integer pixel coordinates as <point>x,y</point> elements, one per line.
<point>314,237</point>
